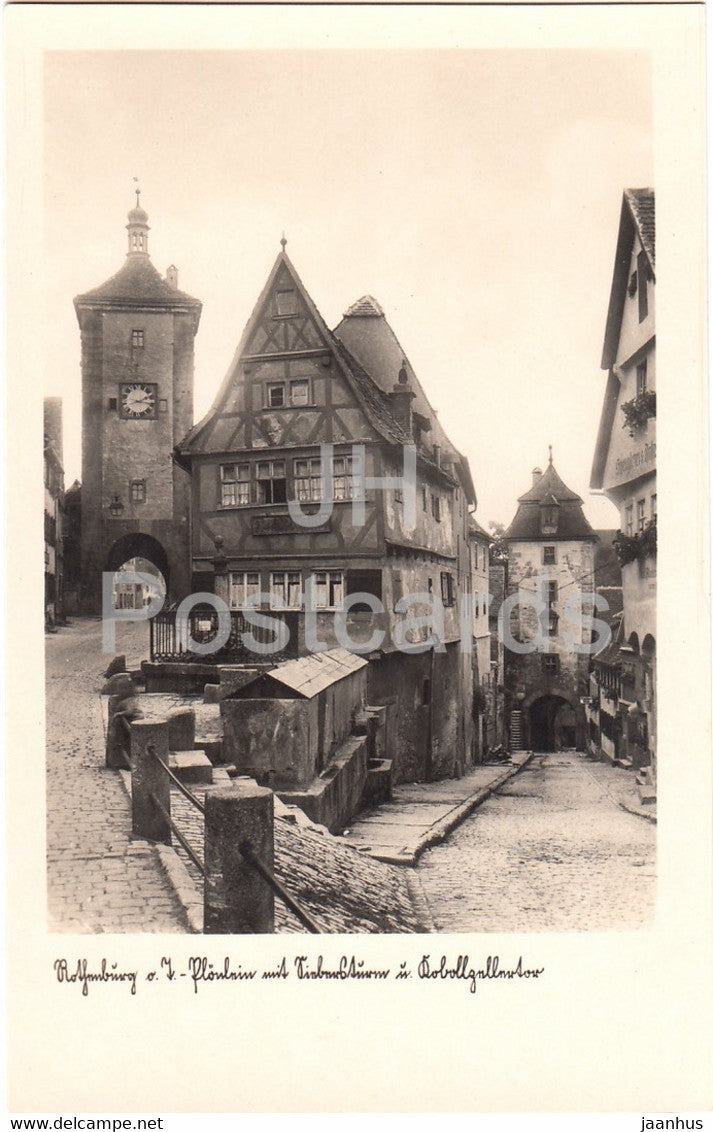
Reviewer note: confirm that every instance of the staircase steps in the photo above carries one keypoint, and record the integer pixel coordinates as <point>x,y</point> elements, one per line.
<point>516,743</point>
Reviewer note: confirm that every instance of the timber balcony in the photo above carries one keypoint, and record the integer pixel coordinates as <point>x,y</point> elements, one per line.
<point>168,644</point>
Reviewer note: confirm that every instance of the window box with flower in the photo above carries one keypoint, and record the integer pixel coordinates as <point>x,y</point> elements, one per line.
<point>639,410</point>
<point>629,548</point>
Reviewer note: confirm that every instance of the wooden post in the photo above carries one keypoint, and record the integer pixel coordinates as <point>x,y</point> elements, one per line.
<point>237,900</point>
<point>148,777</point>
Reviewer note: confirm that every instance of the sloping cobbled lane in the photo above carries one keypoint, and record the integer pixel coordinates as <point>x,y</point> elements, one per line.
<point>98,878</point>
<point>550,851</point>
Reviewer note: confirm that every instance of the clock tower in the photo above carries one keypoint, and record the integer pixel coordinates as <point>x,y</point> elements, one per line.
<point>137,336</point>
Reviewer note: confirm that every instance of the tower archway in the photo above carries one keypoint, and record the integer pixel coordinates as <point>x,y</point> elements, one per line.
<point>552,723</point>
<point>132,554</point>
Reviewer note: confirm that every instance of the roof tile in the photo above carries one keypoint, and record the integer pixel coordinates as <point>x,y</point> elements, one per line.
<point>137,283</point>
<point>643,208</point>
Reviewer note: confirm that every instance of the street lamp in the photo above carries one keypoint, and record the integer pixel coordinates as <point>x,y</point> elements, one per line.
<point>116,507</point>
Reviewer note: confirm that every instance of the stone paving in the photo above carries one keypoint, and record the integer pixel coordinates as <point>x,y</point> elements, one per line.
<point>343,890</point>
<point>99,879</point>
<point>552,850</point>
<point>423,813</point>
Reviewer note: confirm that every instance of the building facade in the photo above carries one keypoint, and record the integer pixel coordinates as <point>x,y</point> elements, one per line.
<point>550,582</point>
<point>53,512</point>
<point>498,715</point>
<point>624,469</point>
<point>304,505</point>
<point>484,705</point>
<point>601,705</point>
<point>137,337</point>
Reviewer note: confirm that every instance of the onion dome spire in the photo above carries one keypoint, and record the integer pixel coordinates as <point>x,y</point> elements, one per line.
<point>138,227</point>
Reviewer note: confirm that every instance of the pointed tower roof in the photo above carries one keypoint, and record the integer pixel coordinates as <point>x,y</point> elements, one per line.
<point>137,284</point>
<point>549,488</point>
<point>547,492</point>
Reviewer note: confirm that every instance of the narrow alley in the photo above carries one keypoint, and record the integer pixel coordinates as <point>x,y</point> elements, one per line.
<point>551,850</point>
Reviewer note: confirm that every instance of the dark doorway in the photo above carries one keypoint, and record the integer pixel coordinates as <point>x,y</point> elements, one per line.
<point>137,553</point>
<point>553,725</point>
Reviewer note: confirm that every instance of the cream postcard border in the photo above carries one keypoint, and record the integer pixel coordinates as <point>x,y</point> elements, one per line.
<point>619,1022</point>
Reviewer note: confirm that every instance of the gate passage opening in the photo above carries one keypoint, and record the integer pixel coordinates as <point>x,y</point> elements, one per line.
<point>132,555</point>
<point>553,724</point>
<point>128,593</point>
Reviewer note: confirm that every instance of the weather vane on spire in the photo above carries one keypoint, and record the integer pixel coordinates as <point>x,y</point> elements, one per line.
<point>283,241</point>
<point>550,448</point>
<point>137,190</point>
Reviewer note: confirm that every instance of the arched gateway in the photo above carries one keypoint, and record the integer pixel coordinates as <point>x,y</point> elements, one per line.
<point>553,724</point>
<point>139,545</point>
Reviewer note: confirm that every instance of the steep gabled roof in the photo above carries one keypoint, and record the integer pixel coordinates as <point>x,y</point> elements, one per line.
<point>642,205</point>
<point>637,218</point>
<point>372,399</point>
<point>366,333</point>
<point>606,423</point>
<point>549,490</point>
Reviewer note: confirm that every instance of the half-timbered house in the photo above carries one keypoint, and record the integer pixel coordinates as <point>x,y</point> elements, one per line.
<point>325,491</point>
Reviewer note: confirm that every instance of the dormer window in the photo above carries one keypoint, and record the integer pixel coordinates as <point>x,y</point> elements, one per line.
<point>549,519</point>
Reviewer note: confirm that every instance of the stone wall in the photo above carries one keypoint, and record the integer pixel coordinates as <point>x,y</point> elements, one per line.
<point>273,741</point>
<point>116,451</point>
<point>430,724</point>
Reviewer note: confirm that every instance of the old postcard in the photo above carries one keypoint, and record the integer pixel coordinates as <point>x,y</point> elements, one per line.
<point>343,328</point>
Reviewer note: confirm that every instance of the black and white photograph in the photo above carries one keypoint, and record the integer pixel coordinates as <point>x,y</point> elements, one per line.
<point>433,733</point>
<point>352,615</point>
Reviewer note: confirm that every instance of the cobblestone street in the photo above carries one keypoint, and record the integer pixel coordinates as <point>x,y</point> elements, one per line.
<point>99,880</point>
<point>550,851</point>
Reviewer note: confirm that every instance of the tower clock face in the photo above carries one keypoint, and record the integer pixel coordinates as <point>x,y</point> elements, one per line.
<point>138,400</point>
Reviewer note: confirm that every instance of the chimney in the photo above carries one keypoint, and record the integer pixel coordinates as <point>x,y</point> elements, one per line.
<point>402,396</point>
<point>172,277</point>
<point>437,455</point>
<point>536,476</point>
<point>53,424</point>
